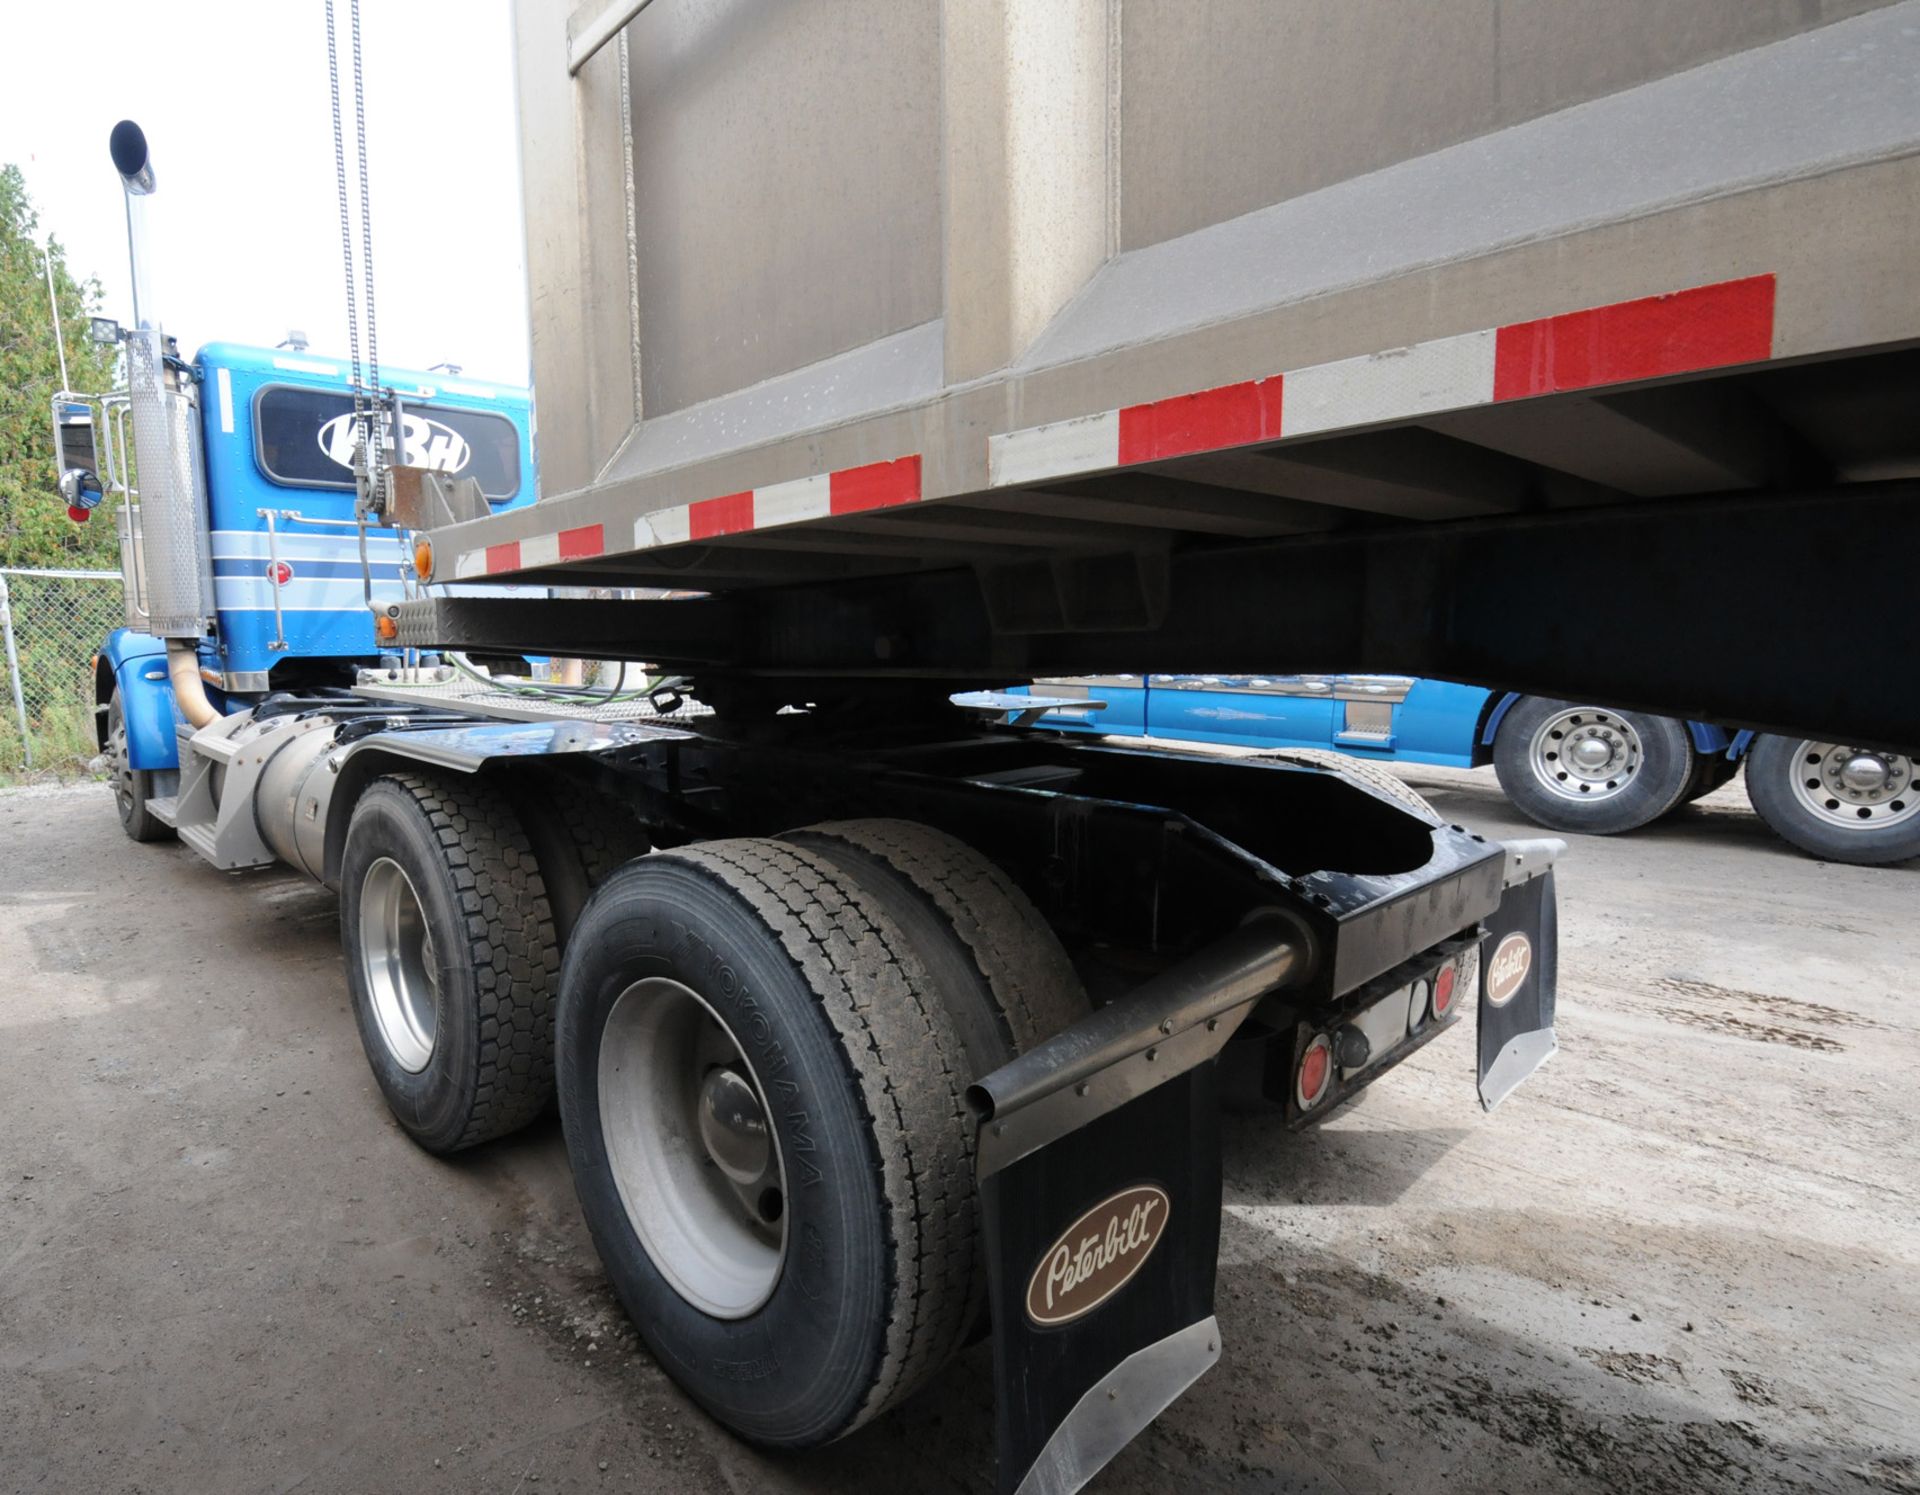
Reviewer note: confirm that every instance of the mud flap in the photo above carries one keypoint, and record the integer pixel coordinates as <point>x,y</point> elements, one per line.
<point>1100,1278</point>
<point>1518,960</point>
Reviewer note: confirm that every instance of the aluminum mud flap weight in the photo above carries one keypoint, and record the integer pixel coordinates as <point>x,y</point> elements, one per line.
<point>1518,960</point>
<point>1099,1159</point>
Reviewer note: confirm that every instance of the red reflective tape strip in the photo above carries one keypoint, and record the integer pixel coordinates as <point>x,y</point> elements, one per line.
<point>1707,327</point>
<point>583,543</point>
<point>1232,415</point>
<point>728,515</point>
<point>503,557</point>
<point>878,485</point>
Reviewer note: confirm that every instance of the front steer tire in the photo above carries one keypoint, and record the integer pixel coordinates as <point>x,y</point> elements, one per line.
<point>132,787</point>
<point>861,1076</point>
<point>476,1060</point>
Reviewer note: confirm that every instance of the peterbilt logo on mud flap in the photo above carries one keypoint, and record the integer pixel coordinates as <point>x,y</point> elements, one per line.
<point>1097,1255</point>
<point>1507,971</point>
<point>424,442</point>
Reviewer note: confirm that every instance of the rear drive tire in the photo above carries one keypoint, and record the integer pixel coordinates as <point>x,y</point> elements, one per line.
<point>994,963</point>
<point>132,787</point>
<point>1837,803</point>
<point>579,835</point>
<point>451,958</point>
<point>999,967</point>
<point>1590,769</point>
<point>739,1017</point>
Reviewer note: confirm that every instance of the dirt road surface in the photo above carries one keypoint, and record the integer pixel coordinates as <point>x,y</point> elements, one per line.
<point>1685,1258</point>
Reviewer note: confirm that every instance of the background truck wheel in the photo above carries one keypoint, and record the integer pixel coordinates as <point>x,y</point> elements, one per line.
<point>762,1104</point>
<point>132,787</point>
<point>1368,773</point>
<point>1838,803</point>
<point>451,957</point>
<point>1590,768</point>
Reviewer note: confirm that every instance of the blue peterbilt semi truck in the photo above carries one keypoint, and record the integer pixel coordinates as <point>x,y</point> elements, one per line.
<point>808,986</point>
<point>1567,765</point>
<point>869,1022</point>
<point>290,604</point>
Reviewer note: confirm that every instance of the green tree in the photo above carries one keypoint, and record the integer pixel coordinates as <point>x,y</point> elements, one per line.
<point>34,528</point>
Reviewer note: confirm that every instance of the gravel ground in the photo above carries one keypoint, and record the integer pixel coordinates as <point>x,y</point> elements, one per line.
<point>1685,1258</point>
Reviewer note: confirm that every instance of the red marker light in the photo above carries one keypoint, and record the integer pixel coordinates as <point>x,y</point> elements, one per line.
<point>1315,1074</point>
<point>1443,991</point>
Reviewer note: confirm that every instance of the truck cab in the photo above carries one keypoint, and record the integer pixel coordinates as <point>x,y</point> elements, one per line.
<point>288,597</point>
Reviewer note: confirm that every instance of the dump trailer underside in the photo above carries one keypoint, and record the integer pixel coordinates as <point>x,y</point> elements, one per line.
<point>1609,395</point>
<point>1749,608</point>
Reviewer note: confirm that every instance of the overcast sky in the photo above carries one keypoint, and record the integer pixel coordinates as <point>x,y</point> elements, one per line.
<point>233,97</point>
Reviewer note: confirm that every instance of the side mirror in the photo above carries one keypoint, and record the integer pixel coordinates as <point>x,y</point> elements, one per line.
<point>82,491</point>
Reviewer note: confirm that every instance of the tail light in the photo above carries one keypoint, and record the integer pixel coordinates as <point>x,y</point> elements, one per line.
<point>1454,981</point>
<point>1314,1075</point>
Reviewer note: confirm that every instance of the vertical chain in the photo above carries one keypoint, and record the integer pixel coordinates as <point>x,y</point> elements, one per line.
<point>366,208</point>
<point>346,221</point>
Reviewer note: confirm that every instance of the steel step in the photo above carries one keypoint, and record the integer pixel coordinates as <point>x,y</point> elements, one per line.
<point>200,838</point>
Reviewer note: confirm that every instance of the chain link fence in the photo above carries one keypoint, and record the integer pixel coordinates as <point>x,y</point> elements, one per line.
<point>52,623</point>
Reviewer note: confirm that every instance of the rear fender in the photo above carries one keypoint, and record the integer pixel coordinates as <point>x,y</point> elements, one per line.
<point>456,749</point>
<point>1494,712</point>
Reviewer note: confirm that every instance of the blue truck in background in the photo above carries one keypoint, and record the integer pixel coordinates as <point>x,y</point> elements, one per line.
<point>1567,765</point>
<point>283,550</point>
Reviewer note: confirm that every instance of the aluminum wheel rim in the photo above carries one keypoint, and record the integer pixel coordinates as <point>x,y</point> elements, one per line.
<point>397,959</point>
<point>697,1166</point>
<point>1585,754</point>
<point>118,761</point>
<point>1856,789</point>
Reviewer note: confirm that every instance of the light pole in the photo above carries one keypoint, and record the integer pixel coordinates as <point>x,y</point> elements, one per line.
<point>53,305</point>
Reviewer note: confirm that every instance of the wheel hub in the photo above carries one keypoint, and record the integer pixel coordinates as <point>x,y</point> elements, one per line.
<point>1591,753</point>
<point>1864,773</point>
<point>692,1148</point>
<point>733,1126</point>
<point>1585,753</point>
<point>1859,788</point>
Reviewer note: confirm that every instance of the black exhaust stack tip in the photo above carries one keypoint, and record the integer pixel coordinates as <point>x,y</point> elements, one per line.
<point>128,146</point>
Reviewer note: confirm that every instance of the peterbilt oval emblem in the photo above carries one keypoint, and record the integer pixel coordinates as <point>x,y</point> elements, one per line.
<point>424,442</point>
<point>1507,971</point>
<point>1097,1255</point>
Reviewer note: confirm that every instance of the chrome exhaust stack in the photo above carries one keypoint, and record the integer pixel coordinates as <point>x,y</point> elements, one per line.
<point>173,514</point>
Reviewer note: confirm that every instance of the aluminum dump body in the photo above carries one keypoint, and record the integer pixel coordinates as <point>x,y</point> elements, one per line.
<point>882,287</point>
<point>779,245</point>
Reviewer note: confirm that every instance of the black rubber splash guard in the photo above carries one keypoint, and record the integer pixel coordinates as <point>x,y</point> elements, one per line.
<point>1518,980</point>
<point>1102,1248</point>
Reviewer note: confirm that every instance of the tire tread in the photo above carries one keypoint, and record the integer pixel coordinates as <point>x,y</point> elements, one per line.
<point>1015,951</point>
<point>510,942</point>
<point>905,1064</point>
